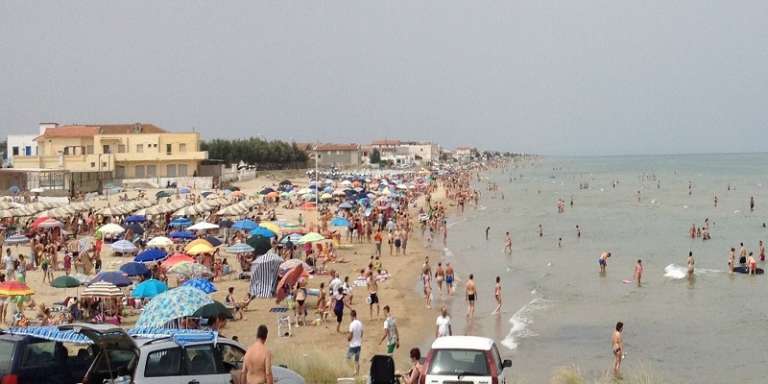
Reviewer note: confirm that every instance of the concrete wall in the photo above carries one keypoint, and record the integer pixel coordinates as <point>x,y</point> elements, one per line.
<point>198,183</point>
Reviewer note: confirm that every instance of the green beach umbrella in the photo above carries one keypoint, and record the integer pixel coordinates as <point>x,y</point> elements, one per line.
<point>65,282</point>
<point>214,309</point>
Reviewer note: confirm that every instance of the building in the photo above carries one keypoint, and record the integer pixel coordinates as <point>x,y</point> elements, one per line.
<point>20,146</point>
<point>126,150</point>
<point>423,153</point>
<point>463,154</point>
<point>406,152</point>
<point>335,155</point>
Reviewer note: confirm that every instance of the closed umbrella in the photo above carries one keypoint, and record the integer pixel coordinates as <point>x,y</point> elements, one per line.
<point>134,269</point>
<point>171,305</point>
<point>149,289</point>
<point>152,254</point>
<point>102,289</point>
<point>119,279</point>
<point>201,284</point>
<point>124,246</point>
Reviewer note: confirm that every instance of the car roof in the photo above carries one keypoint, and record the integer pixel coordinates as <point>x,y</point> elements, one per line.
<point>463,342</point>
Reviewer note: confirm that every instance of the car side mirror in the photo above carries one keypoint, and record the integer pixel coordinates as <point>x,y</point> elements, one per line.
<point>507,364</point>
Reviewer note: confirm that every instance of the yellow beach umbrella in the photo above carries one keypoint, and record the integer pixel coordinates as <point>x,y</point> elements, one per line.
<point>200,249</point>
<point>197,242</point>
<point>272,227</point>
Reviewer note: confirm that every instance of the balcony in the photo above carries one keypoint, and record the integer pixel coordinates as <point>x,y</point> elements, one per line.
<point>160,156</point>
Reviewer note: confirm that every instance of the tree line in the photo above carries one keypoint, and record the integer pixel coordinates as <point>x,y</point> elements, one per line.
<point>254,151</point>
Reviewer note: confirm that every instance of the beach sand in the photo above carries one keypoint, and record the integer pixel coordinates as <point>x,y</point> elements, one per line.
<point>401,292</point>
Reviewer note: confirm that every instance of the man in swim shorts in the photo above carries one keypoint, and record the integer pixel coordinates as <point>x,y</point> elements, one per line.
<point>449,278</point>
<point>471,291</point>
<point>603,261</point>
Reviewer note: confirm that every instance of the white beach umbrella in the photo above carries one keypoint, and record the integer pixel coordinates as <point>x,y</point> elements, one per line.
<point>102,289</point>
<point>160,242</point>
<point>111,228</point>
<point>203,226</point>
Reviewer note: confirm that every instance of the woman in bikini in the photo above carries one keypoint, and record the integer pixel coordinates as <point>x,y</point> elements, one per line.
<point>497,295</point>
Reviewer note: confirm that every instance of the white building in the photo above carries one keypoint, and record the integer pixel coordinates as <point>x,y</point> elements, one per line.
<point>422,152</point>
<point>21,146</point>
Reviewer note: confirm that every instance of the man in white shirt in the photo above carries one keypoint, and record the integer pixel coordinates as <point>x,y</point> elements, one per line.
<point>335,283</point>
<point>355,339</point>
<point>8,260</point>
<point>443,324</point>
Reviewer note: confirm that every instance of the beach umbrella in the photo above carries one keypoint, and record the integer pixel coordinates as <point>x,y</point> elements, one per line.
<point>266,191</point>
<point>339,222</point>
<point>345,205</point>
<point>293,238</point>
<point>110,228</point>
<point>152,254</point>
<point>171,305</point>
<point>201,284</point>
<point>261,231</point>
<point>288,281</point>
<point>286,182</point>
<point>186,211</point>
<point>226,223</point>
<point>260,244</point>
<point>290,264</point>
<point>102,289</point>
<point>213,240</point>
<point>136,219</point>
<point>184,190</point>
<point>134,268</point>
<point>50,223</point>
<point>110,211</point>
<point>65,282</point>
<point>196,242</point>
<point>215,310</point>
<point>6,213</point>
<point>271,226</point>
<point>123,246</point>
<point>15,288</point>
<point>135,228</point>
<point>203,226</point>
<point>162,194</point>
<point>310,238</point>
<point>82,278</point>
<point>240,248</point>
<point>178,258</point>
<point>16,239</point>
<point>39,220</point>
<point>119,279</point>
<point>185,235</point>
<point>181,222</point>
<point>200,249</point>
<point>244,225</point>
<point>149,289</point>
<point>190,270</point>
<point>160,242</point>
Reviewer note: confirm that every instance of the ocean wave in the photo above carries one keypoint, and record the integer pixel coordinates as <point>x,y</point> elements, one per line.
<point>678,272</point>
<point>521,321</point>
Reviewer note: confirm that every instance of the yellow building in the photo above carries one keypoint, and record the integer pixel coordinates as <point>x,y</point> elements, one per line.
<point>127,150</point>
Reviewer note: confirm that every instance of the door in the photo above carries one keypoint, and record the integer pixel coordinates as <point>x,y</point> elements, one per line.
<point>202,366</point>
<point>120,172</point>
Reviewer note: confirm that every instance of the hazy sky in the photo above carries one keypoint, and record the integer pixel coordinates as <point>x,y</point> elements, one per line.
<point>567,77</point>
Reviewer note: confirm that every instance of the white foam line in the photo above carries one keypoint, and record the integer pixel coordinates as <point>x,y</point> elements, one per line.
<point>521,320</point>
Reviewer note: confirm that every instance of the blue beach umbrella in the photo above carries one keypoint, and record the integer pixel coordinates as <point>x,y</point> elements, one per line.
<point>261,231</point>
<point>117,278</point>
<point>171,305</point>
<point>185,235</point>
<point>339,222</point>
<point>136,219</point>
<point>184,190</point>
<point>245,225</point>
<point>149,289</point>
<point>201,284</point>
<point>152,254</point>
<point>213,240</point>
<point>181,222</point>
<point>134,269</point>
<point>345,205</point>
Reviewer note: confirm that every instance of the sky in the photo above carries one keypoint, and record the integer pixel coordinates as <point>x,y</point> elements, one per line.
<point>550,77</point>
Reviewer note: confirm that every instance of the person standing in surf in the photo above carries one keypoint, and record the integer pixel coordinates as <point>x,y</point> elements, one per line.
<point>761,248</point>
<point>497,295</point>
<point>439,278</point>
<point>690,265</point>
<point>617,344</point>
<point>639,272</point>
<point>449,278</point>
<point>752,264</point>
<point>471,294</point>
<point>487,229</point>
<point>508,244</point>
<point>603,261</point>
<point>751,203</point>
<point>541,231</point>
<point>731,259</point>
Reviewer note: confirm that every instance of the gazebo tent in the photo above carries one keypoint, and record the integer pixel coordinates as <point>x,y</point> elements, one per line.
<point>264,275</point>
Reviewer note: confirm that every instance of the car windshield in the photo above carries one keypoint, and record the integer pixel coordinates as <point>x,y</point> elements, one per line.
<point>6,355</point>
<point>459,362</point>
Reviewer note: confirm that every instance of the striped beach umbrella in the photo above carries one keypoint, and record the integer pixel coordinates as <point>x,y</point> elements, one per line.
<point>17,239</point>
<point>189,270</point>
<point>123,246</point>
<point>171,305</point>
<point>160,242</point>
<point>240,248</point>
<point>102,289</point>
<point>15,288</point>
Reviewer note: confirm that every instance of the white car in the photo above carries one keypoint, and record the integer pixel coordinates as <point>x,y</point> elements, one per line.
<point>465,360</point>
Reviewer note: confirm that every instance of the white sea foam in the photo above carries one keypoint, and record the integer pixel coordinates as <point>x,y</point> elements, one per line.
<point>521,322</point>
<point>678,272</point>
<point>447,253</point>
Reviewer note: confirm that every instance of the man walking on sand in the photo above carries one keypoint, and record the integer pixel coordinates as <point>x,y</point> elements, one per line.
<point>257,363</point>
<point>443,324</point>
<point>391,335</point>
<point>355,338</point>
<point>471,291</point>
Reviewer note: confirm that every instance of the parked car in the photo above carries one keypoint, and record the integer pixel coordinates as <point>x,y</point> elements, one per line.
<point>465,360</point>
<point>96,354</point>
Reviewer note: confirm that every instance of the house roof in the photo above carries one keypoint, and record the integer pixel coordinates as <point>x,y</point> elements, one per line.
<point>386,142</point>
<point>337,147</point>
<point>101,129</point>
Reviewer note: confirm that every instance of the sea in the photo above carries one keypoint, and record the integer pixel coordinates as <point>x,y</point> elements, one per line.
<point>559,311</point>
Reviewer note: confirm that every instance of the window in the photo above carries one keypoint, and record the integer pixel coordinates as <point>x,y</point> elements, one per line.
<point>139,172</point>
<point>200,360</point>
<point>139,148</point>
<point>182,170</point>
<point>182,147</point>
<point>39,355</point>
<point>66,151</point>
<point>168,148</point>
<point>166,362</point>
<point>106,149</point>
<point>453,361</point>
<point>103,164</point>
<point>121,148</point>
<point>27,151</point>
<point>231,357</point>
<point>170,170</point>
<point>6,356</point>
<point>15,151</point>
<point>89,149</point>
<point>151,171</point>
<point>93,164</point>
<point>120,172</point>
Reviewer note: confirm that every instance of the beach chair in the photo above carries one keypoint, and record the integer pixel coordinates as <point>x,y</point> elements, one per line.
<point>383,370</point>
<point>284,326</point>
